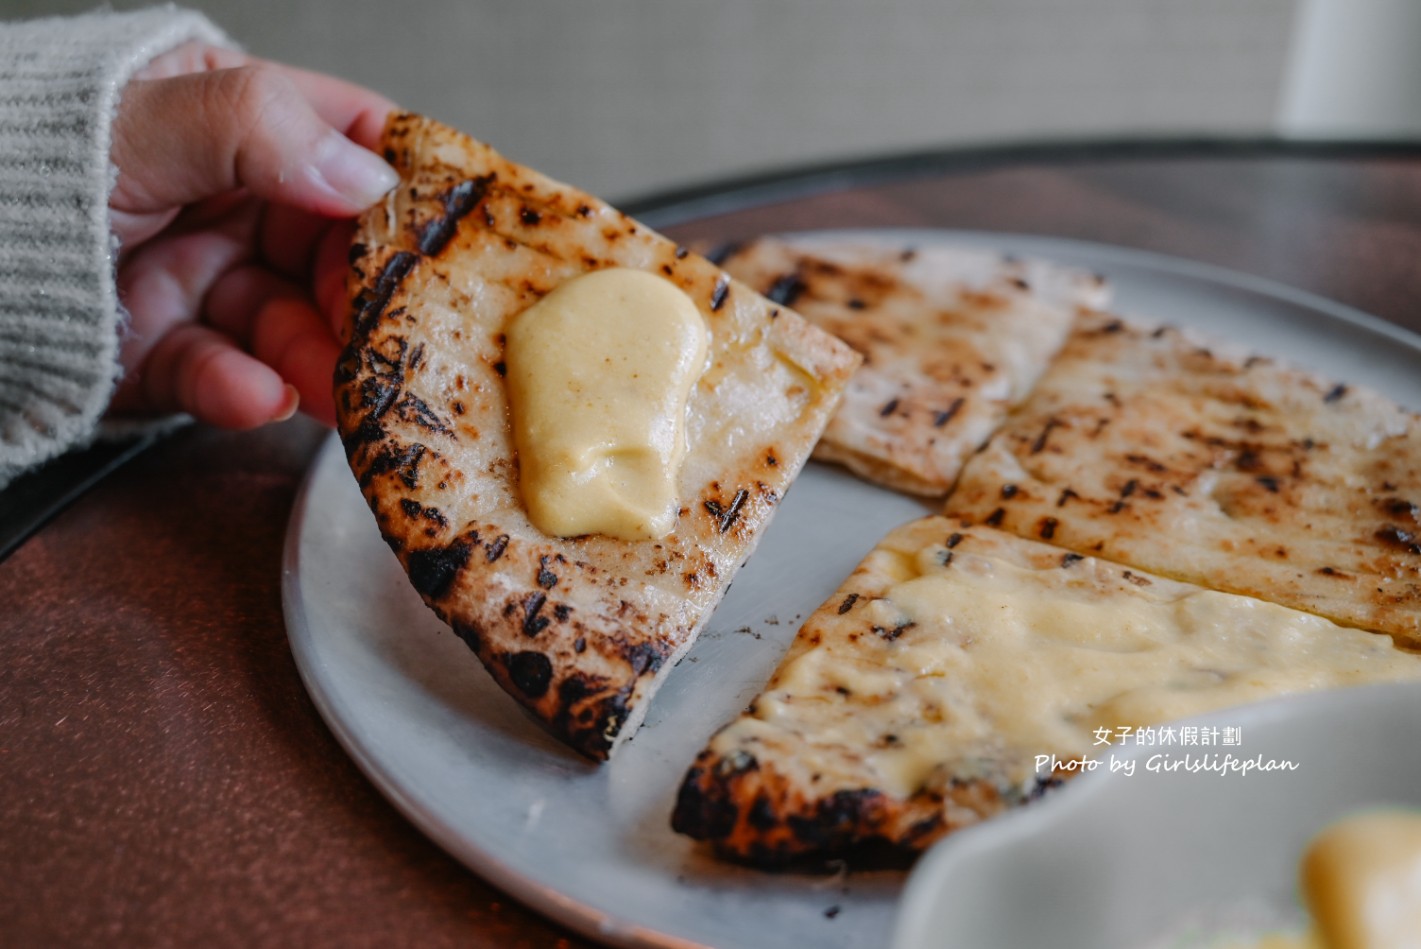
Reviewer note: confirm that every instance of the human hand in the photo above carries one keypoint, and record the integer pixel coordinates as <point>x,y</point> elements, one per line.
<point>236,182</point>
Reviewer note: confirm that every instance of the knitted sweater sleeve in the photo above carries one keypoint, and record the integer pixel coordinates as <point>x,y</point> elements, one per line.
<point>60,317</point>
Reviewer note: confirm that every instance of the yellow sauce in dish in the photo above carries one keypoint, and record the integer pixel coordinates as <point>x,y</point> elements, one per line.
<point>1361,882</point>
<point>599,375</point>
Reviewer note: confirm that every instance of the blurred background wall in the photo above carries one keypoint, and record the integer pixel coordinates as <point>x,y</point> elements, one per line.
<point>625,97</point>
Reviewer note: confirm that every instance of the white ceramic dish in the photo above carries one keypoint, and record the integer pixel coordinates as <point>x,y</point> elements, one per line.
<point>1158,859</point>
<point>590,846</point>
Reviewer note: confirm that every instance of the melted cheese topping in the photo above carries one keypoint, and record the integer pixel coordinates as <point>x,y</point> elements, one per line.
<point>973,661</point>
<point>599,375</point>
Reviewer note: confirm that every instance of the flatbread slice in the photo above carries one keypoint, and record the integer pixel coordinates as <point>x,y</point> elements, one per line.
<point>580,630</point>
<point>961,671</point>
<point>1155,449</point>
<point>952,338</point>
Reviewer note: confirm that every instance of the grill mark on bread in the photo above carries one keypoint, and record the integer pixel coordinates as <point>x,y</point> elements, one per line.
<point>890,633</point>
<point>370,305</point>
<point>1146,462</point>
<point>1125,492</point>
<point>727,516</point>
<point>416,511</point>
<point>404,463</point>
<point>786,289</point>
<point>1402,539</point>
<point>588,709</point>
<point>432,571</point>
<point>458,201</point>
<point>946,415</point>
<point>642,657</point>
<point>1038,446</point>
<point>533,624</point>
<point>546,578</point>
<point>531,672</point>
<point>416,411</point>
<point>719,293</point>
<point>1401,508</point>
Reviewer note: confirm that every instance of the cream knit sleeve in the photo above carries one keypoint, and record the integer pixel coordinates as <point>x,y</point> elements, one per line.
<point>60,317</point>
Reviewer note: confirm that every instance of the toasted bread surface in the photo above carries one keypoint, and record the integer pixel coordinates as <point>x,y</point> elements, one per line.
<point>1158,449</point>
<point>579,630</point>
<point>961,671</point>
<point>952,339</point>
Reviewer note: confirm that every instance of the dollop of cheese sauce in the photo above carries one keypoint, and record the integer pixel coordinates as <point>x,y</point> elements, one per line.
<point>599,375</point>
<point>1361,880</point>
<point>1361,883</point>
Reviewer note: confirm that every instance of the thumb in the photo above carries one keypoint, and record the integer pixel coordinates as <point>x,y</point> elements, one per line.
<point>195,136</point>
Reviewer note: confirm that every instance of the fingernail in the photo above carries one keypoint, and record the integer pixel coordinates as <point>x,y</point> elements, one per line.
<point>288,407</point>
<point>356,174</point>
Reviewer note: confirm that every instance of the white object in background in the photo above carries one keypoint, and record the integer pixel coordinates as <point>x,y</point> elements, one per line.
<point>1354,70</point>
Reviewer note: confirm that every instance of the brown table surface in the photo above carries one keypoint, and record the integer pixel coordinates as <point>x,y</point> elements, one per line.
<point>164,779</point>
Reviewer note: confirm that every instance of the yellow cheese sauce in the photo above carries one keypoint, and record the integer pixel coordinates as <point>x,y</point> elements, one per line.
<point>599,375</point>
<point>1361,883</point>
<point>973,665</point>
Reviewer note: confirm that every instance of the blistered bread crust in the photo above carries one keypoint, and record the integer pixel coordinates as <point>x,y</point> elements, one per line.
<point>579,630</point>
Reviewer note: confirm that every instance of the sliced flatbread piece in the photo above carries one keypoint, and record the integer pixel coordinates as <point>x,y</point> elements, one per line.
<point>959,671</point>
<point>951,337</point>
<point>580,630</point>
<point>1151,448</point>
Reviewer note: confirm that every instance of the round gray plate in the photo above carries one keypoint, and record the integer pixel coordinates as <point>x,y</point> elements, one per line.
<point>590,846</point>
